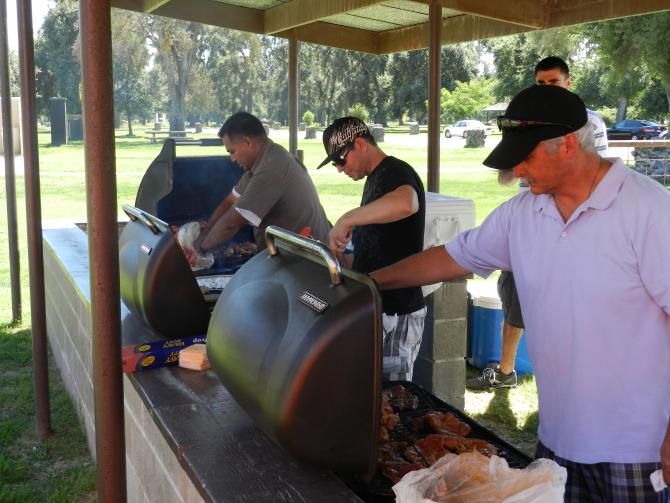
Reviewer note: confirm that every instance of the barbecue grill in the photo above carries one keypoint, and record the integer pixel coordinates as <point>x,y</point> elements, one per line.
<point>157,283</point>
<point>296,340</point>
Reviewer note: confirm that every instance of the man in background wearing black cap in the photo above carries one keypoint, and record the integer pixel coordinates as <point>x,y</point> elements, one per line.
<point>587,244</point>
<point>387,227</point>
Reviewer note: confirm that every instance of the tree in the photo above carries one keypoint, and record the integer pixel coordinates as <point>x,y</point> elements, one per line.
<point>132,88</point>
<point>466,100</point>
<point>200,104</point>
<point>179,45</point>
<point>236,66</point>
<point>358,110</point>
<point>409,76</point>
<point>615,43</point>
<point>656,27</point>
<point>57,66</point>
<point>515,57</point>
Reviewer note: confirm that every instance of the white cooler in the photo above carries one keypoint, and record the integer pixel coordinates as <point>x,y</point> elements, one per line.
<point>446,217</point>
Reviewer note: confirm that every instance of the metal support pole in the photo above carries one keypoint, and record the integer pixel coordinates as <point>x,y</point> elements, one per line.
<point>10,179</point>
<point>434,51</point>
<point>293,93</point>
<point>103,247</point>
<point>33,217</point>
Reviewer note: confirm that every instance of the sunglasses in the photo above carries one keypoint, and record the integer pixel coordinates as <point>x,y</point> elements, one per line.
<point>341,159</point>
<point>504,122</point>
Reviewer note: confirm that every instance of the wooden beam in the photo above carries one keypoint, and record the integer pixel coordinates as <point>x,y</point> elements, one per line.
<point>301,12</point>
<point>334,35</point>
<point>569,12</point>
<point>528,13</point>
<point>214,13</point>
<point>150,6</point>
<point>454,30</point>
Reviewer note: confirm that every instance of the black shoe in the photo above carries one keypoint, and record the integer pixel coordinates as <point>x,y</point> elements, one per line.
<point>491,378</point>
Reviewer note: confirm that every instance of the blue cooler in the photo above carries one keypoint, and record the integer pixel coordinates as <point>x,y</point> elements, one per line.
<point>486,319</point>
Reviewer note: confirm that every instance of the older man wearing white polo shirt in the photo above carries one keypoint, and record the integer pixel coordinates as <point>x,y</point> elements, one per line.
<point>588,246</point>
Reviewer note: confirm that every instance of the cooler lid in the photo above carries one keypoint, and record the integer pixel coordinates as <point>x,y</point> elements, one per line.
<point>297,342</point>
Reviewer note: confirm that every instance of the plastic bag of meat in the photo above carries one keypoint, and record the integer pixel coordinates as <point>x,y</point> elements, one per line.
<point>474,478</point>
<point>186,236</point>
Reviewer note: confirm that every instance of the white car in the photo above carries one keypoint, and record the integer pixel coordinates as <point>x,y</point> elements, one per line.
<point>460,128</point>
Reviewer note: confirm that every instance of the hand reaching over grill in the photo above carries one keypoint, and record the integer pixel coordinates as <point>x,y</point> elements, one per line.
<point>340,235</point>
<point>187,236</point>
<point>191,255</point>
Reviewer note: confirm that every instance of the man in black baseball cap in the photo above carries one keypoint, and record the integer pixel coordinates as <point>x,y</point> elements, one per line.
<point>536,114</point>
<point>339,137</point>
<point>388,226</point>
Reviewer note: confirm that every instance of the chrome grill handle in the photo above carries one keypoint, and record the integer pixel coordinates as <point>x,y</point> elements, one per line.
<point>306,247</point>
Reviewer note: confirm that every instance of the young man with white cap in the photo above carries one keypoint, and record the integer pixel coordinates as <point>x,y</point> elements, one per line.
<point>587,245</point>
<point>387,227</point>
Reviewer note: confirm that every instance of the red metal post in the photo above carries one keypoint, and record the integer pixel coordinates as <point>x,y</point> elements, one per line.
<point>10,179</point>
<point>293,93</point>
<point>434,52</point>
<point>103,247</point>
<point>34,218</point>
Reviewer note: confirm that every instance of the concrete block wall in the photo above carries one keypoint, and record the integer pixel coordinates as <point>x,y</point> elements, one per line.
<point>440,366</point>
<point>152,470</point>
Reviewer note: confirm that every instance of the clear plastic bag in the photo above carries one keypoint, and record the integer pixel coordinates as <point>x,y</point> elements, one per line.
<point>473,478</point>
<point>186,236</point>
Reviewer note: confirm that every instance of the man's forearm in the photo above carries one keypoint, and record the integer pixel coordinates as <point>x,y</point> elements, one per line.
<point>430,266</point>
<point>224,229</point>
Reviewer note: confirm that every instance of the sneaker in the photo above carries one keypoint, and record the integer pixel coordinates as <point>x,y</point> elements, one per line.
<point>491,378</point>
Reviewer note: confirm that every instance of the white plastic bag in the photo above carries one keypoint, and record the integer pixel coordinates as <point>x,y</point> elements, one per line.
<point>473,478</point>
<point>186,236</point>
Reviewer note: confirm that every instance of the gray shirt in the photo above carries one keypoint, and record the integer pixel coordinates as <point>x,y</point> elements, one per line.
<point>277,190</point>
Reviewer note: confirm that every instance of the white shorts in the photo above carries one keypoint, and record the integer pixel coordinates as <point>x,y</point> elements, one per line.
<point>402,339</point>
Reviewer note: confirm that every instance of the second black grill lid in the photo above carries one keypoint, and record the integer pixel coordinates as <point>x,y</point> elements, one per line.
<point>297,342</point>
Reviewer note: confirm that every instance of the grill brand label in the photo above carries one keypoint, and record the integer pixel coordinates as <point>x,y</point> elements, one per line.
<point>314,302</point>
<point>146,248</point>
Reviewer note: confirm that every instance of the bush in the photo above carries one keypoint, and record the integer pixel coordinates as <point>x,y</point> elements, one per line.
<point>358,110</point>
<point>308,118</point>
<point>608,115</point>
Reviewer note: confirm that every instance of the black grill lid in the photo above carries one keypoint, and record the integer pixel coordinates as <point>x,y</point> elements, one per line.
<point>297,342</point>
<point>156,281</point>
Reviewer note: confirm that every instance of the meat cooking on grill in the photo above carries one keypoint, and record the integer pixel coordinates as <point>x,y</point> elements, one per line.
<point>400,398</point>
<point>412,441</point>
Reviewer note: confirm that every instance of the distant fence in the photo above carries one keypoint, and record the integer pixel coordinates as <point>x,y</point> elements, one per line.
<point>649,157</point>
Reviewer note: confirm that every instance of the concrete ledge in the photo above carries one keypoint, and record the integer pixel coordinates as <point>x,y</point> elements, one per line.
<point>186,440</point>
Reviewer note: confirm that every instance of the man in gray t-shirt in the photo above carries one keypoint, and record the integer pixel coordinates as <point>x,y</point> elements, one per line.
<point>274,190</point>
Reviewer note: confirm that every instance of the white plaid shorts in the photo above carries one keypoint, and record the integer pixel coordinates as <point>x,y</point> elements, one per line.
<point>402,339</point>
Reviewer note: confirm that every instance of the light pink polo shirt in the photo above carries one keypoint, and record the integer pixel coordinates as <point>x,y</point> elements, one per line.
<point>595,297</point>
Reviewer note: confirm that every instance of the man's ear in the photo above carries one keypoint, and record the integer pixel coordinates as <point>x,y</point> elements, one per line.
<point>361,144</point>
<point>571,144</point>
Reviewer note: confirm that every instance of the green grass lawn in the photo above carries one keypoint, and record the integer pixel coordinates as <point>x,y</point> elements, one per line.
<point>60,469</point>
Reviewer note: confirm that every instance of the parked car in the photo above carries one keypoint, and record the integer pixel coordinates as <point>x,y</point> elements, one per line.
<point>634,130</point>
<point>460,128</point>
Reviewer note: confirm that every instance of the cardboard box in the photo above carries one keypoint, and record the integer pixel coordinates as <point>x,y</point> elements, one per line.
<point>156,354</point>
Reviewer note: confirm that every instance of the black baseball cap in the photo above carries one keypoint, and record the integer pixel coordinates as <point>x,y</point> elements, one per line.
<point>536,114</point>
<point>341,135</point>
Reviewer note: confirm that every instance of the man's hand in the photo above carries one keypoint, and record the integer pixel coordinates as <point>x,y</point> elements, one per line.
<point>191,256</point>
<point>665,456</point>
<point>340,235</point>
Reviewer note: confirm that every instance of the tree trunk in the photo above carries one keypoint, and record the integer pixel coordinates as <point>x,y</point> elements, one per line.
<point>667,96</point>
<point>130,123</point>
<point>400,122</point>
<point>621,108</point>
